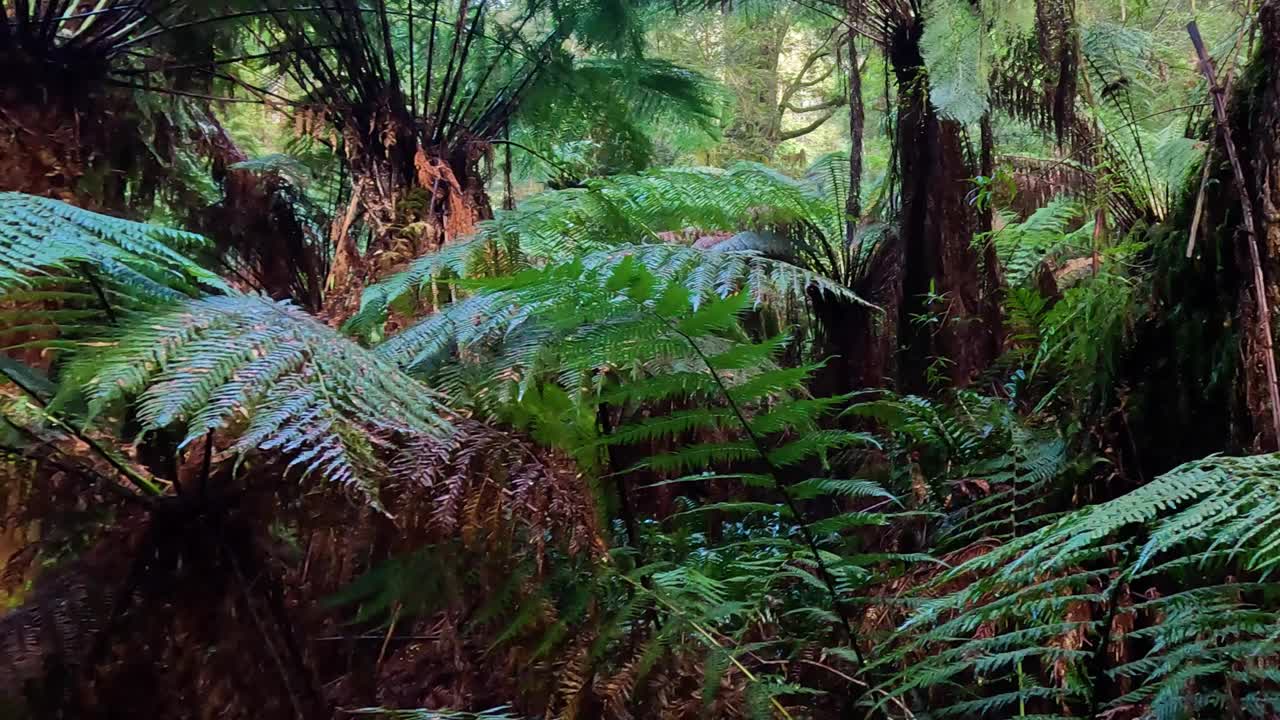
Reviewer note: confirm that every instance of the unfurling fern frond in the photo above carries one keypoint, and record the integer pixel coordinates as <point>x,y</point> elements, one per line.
<point>265,371</point>
<point>39,236</point>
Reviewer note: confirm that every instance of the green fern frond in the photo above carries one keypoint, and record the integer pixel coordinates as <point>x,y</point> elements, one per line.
<point>1210,524</point>
<point>267,372</point>
<point>39,236</point>
<point>957,60</point>
<point>626,215</point>
<point>1023,247</point>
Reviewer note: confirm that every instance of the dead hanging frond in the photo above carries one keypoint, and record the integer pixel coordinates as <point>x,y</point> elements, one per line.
<point>1035,80</point>
<point>435,173</point>
<point>1060,57</point>
<point>483,483</point>
<point>269,233</point>
<point>1037,181</point>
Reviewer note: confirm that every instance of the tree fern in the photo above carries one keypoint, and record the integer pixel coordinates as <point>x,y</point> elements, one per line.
<point>1082,592</point>
<point>1023,246</point>
<point>39,237</point>
<point>264,371</point>
<point>626,215</point>
<point>990,474</point>
<point>689,389</point>
<point>565,321</point>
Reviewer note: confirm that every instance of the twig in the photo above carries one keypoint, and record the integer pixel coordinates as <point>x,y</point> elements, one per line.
<point>98,291</point>
<point>1246,204</point>
<point>1208,156</point>
<point>1195,216</point>
<point>135,478</point>
<point>906,711</point>
<point>391,629</point>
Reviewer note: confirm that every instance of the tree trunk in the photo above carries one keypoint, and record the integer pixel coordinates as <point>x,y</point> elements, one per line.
<point>946,325</point>
<point>259,223</point>
<point>752,54</point>
<point>1257,133</point>
<point>857,121</point>
<point>1197,383</point>
<point>64,135</point>
<point>412,198</point>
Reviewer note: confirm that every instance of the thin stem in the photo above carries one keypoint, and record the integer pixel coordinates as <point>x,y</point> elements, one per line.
<point>102,296</point>
<point>775,473</point>
<point>135,478</point>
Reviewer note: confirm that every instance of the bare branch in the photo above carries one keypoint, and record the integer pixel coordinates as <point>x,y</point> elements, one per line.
<point>835,102</point>
<point>790,134</point>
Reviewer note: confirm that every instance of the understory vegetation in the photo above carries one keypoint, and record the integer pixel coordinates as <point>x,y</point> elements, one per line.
<point>459,360</point>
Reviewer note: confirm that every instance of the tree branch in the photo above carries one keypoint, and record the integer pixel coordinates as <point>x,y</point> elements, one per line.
<point>790,134</point>
<point>824,105</point>
<point>798,81</point>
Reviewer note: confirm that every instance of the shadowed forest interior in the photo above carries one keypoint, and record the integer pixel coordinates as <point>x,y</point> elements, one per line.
<point>613,359</point>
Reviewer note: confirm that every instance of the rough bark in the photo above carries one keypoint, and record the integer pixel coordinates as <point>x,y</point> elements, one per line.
<point>1258,114</point>
<point>859,344</point>
<point>945,324</point>
<point>259,223</point>
<point>62,135</point>
<point>411,197</point>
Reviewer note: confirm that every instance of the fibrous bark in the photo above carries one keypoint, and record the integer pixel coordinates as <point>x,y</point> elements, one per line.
<point>948,323</point>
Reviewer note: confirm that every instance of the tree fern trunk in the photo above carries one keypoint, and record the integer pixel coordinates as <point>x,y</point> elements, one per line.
<point>945,327</point>
<point>1196,372</point>
<point>857,121</point>
<point>412,197</point>
<point>1258,113</point>
<point>59,126</point>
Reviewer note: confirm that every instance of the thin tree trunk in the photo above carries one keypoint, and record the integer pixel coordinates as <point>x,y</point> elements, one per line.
<point>857,120</point>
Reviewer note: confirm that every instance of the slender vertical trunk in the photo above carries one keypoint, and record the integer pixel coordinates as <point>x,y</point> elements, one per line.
<point>856,342</point>
<point>1059,53</point>
<point>857,120</point>
<point>992,280</point>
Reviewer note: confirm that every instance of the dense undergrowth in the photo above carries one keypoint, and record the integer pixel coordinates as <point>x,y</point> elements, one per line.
<point>691,530</point>
<point>974,437</point>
